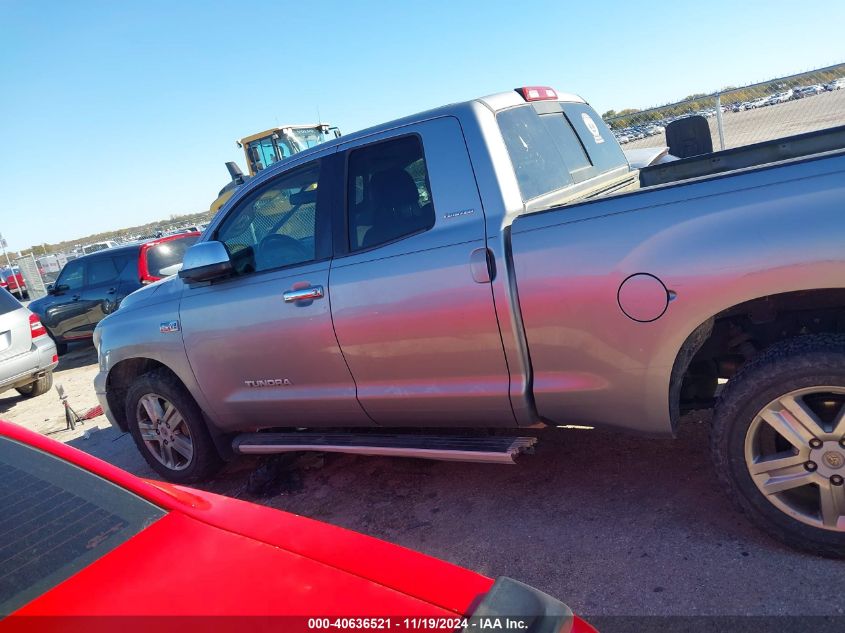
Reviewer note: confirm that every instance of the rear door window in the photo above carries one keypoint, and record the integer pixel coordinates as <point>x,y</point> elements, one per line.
<point>388,193</point>
<point>56,520</point>
<point>102,270</point>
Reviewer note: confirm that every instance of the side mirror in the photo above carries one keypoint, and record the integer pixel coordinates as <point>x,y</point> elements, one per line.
<point>49,288</point>
<point>57,290</point>
<point>206,261</point>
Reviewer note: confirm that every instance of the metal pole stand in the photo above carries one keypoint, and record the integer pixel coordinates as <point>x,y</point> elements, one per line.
<point>71,417</point>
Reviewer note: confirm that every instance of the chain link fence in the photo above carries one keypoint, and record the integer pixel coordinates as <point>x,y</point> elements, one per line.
<point>805,102</point>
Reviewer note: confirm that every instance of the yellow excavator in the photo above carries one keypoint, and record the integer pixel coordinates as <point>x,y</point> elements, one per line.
<point>270,146</point>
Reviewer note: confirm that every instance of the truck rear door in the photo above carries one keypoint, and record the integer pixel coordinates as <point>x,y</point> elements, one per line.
<point>411,299</point>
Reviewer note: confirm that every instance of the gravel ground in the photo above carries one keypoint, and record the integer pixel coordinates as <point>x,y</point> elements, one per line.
<point>613,525</point>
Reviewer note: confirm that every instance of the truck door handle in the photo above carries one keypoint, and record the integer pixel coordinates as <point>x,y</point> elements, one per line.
<point>76,297</point>
<point>304,294</point>
<point>111,291</point>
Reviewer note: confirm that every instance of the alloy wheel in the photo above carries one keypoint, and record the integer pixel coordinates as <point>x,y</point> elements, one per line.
<point>164,431</point>
<point>795,453</point>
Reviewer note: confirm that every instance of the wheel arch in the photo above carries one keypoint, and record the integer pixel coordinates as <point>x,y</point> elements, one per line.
<point>718,346</point>
<point>122,375</point>
<point>124,372</point>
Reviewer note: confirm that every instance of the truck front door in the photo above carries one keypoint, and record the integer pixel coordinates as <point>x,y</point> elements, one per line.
<point>412,307</point>
<point>261,343</point>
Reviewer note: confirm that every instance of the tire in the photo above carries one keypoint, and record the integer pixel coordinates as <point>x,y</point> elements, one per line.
<point>795,389</point>
<point>165,446</point>
<point>37,388</point>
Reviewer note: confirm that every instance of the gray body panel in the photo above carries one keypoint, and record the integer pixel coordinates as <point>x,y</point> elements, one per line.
<point>248,329</point>
<point>408,335</point>
<point>716,243</point>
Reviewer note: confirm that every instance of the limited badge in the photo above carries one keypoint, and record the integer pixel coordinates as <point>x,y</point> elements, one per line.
<point>594,129</point>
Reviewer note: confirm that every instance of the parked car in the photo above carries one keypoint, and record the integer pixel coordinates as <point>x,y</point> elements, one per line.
<point>27,355</point>
<point>807,91</point>
<point>117,543</point>
<point>465,268</point>
<point>780,97</point>
<point>13,281</point>
<point>92,286</point>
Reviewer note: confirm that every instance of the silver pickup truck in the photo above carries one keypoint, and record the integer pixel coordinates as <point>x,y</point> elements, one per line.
<point>421,287</point>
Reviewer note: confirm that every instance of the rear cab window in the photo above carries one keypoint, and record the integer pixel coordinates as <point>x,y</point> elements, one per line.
<point>553,145</point>
<point>57,519</point>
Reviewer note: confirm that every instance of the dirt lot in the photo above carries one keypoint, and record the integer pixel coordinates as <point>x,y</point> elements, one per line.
<point>613,525</point>
<point>763,124</point>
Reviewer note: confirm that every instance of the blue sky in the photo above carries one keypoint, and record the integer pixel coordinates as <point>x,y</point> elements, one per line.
<point>118,113</point>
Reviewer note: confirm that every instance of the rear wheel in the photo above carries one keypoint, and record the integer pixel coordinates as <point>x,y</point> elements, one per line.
<point>779,442</point>
<point>169,429</point>
<point>37,388</point>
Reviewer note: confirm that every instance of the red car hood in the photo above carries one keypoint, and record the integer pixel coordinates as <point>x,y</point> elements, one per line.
<point>181,566</point>
<point>216,556</point>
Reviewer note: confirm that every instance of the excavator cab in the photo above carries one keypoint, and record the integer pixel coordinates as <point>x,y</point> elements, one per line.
<point>270,146</point>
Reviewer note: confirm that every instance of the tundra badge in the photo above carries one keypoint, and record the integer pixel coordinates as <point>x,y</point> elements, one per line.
<point>269,382</point>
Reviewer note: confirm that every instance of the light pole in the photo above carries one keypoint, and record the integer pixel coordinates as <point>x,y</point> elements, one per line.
<point>5,254</point>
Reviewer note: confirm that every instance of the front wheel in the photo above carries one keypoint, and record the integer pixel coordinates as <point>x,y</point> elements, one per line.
<point>778,442</point>
<point>169,429</point>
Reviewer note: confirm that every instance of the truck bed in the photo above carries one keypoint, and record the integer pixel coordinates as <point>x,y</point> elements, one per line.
<point>785,148</point>
<point>709,243</point>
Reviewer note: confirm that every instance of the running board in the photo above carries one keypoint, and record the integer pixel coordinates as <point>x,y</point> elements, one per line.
<point>491,449</point>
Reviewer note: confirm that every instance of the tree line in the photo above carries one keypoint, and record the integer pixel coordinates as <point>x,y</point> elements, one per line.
<point>150,229</point>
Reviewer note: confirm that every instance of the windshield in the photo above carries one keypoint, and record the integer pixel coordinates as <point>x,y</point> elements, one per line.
<point>56,520</point>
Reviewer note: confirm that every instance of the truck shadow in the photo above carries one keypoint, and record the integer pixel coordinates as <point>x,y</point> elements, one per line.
<point>79,354</point>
